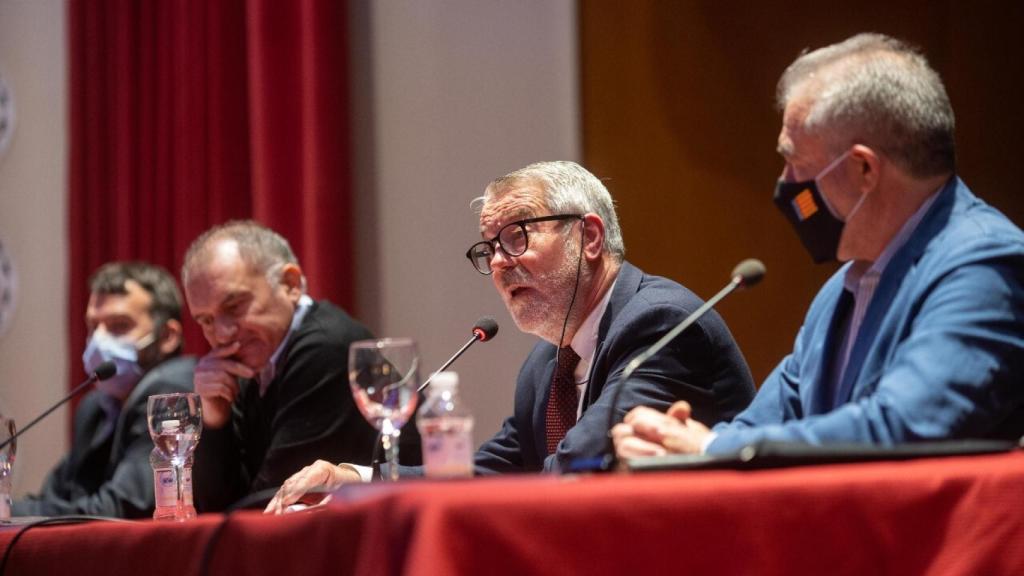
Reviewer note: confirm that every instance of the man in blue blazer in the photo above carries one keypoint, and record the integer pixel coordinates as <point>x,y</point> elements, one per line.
<point>552,246</point>
<point>920,336</point>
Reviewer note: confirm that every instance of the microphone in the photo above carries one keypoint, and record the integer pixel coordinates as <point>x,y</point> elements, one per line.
<point>746,274</point>
<point>102,372</point>
<point>484,329</point>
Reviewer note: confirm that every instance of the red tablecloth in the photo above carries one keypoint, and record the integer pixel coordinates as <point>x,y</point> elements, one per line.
<point>937,516</point>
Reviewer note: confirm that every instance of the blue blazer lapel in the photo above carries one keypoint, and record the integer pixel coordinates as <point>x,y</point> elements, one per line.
<point>821,396</point>
<point>815,342</point>
<point>893,278</point>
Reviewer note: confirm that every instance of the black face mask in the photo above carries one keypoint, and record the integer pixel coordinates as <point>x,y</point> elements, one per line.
<point>818,229</point>
<point>805,208</point>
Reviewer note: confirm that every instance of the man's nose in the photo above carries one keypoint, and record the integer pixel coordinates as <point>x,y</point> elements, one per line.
<point>500,260</point>
<point>224,331</point>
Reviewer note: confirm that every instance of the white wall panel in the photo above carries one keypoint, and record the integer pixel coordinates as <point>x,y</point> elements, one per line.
<point>449,95</point>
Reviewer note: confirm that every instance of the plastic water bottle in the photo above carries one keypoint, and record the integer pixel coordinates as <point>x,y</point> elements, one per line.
<point>7,430</point>
<point>446,430</point>
<point>165,488</point>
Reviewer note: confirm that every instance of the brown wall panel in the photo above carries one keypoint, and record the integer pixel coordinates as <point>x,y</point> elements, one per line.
<point>679,119</point>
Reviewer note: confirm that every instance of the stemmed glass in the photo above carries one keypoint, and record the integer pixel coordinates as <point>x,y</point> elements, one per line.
<point>175,424</point>
<point>7,430</point>
<point>383,375</point>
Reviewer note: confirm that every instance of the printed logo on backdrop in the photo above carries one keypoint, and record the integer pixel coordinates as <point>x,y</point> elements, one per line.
<point>6,115</point>
<point>8,288</point>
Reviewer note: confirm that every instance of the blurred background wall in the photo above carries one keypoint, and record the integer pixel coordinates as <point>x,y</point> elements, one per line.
<point>33,223</point>
<point>679,117</point>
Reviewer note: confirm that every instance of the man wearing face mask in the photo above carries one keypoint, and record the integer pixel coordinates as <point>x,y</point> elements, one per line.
<point>920,336</point>
<point>134,320</point>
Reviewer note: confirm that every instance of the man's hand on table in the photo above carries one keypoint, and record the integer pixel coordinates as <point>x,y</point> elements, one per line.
<point>319,476</point>
<point>647,432</point>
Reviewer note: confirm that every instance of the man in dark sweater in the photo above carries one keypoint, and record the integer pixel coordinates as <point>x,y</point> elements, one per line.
<point>134,320</point>
<point>274,387</point>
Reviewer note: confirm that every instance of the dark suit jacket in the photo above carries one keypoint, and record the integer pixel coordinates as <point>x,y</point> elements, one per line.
<point>107,471</point>
<point>702,366</point>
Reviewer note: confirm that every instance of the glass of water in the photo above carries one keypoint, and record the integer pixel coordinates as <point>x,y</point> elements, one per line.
<point>383,375</point>
<point>7,431</point>
<point>175,424</point>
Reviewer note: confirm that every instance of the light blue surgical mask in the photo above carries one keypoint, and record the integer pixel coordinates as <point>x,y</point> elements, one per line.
<point>103,347</point>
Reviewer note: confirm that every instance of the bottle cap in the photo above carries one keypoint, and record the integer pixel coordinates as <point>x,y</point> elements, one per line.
<point>445,381</point>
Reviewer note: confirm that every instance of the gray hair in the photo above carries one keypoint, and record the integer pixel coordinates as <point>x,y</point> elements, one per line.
<point>568,188</point>
<point>878,91</point>
<point>260,247</point>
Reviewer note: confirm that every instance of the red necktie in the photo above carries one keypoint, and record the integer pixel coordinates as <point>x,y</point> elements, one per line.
<point>563,400</point>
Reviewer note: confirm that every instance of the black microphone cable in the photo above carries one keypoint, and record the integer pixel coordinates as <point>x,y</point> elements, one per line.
<point>69,519</point>
<point>575,290</point>
<point>244,503</point>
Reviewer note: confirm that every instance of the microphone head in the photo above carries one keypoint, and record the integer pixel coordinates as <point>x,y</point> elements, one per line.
<point>485,328</point>
<point>105,370</point>
<point>748,272</point>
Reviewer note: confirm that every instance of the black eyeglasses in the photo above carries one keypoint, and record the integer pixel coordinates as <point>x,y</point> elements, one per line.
<point>512,239</point>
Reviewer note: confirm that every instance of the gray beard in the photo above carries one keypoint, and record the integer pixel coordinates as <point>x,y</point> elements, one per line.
<point>545,319</point>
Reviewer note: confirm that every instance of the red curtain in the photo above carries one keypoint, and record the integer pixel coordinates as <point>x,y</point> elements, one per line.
<point>187,113</point>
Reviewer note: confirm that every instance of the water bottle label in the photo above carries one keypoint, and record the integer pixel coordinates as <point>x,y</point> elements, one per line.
<point>448,454</point>
<point>5,487</point>
<point>187,491</point>
<point>165,488</point>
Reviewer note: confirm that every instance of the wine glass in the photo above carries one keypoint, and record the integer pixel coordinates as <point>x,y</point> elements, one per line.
<point>383,375</point>
<point>7,431</point>
<point>175,424</point>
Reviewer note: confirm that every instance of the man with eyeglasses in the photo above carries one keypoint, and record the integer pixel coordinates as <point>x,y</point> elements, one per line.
<point>553,248</point>
<point>555,253</point>
<point>920,336</point>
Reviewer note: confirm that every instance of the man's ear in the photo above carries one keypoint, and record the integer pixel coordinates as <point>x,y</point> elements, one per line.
<point>291,279</point>
<point>868,165</point>
<point>169,338</point>
<point>593,236</point>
